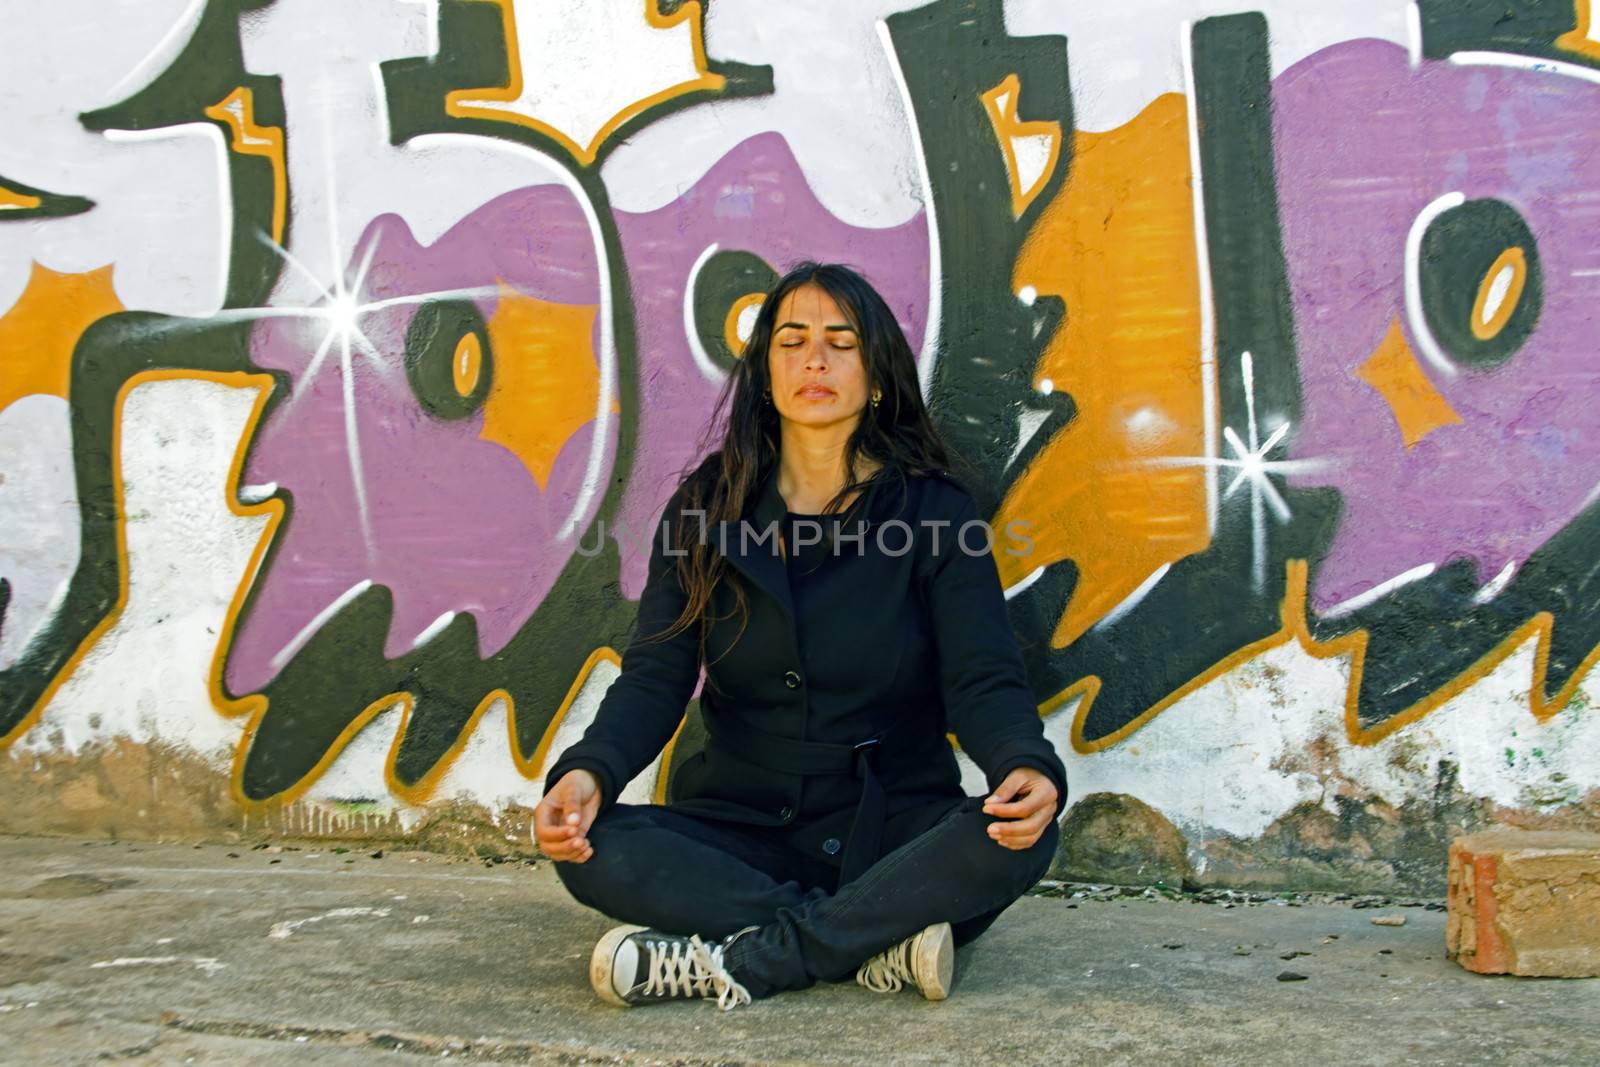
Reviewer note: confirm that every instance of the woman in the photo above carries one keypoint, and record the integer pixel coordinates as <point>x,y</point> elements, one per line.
<point>839,589</point>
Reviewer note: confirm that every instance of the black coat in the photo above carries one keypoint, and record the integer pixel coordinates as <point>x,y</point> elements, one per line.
<point>914,641</point>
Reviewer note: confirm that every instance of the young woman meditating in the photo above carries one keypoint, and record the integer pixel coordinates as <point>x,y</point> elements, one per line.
<point>838,587</point>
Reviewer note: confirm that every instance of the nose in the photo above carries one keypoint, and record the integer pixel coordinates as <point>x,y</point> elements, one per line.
<point>817,355</point>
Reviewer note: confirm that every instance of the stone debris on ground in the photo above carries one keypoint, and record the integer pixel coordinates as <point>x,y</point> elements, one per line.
<point>1226,898</point>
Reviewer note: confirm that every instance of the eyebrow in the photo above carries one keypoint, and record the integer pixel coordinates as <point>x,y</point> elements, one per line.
<point>807,326</point>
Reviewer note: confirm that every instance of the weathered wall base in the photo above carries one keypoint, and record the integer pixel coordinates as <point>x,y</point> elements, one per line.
<point>124,790</point>
<point>1370,846</point>
<point>143,792</point>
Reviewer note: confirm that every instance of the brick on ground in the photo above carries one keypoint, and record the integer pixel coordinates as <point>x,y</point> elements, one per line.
<point>1525,902</point>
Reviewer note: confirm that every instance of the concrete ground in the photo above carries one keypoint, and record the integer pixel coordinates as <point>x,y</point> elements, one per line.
<point>174,954</point>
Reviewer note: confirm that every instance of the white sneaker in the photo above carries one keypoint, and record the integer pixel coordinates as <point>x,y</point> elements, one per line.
<point>636,965</point>
<point>926,960</point>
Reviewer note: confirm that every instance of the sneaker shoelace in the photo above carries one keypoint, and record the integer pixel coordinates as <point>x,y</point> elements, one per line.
<point>889,970</point>
<point>695,972</point>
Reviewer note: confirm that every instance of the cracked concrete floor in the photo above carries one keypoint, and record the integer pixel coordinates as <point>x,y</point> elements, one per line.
<point>214,954</point>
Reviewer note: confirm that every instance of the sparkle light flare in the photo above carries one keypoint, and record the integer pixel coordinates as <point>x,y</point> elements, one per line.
<point>1255,469</point>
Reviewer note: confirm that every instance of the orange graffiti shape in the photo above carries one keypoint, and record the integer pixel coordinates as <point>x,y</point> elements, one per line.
<point>545,383</point>
<point>38,334</point>
<point>1030,149</point>
<point>1117,245</point>
<point>11,200</point>
<point>1392,370</point>
<point>237,111</point>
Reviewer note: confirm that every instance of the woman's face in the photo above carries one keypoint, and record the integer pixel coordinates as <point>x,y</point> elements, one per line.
<point>818,375</point>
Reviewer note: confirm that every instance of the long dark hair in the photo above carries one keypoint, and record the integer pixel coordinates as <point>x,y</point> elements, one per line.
<point>896,435</point>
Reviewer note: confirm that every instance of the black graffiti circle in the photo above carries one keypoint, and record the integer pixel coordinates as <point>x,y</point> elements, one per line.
<point>727,283</point>
<point>1482,287</point>
<point>448,360</point>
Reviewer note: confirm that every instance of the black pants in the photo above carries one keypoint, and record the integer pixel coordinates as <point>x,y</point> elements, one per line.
<point>686,875</point>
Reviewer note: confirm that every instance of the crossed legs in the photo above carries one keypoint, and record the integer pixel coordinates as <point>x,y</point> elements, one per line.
<point>679,874</point>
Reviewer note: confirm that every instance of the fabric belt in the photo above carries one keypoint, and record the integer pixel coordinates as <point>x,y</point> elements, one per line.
<point>787,755</point>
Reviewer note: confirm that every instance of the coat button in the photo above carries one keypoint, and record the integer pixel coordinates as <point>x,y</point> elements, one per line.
<point>785,812</point>
<point>791,679</point>
<point>831,846</point>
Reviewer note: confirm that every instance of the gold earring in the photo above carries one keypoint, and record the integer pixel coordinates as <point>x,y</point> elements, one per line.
<point>877,395</point>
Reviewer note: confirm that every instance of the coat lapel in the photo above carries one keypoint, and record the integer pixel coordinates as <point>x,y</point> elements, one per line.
<point>755,553</point>
<point>753,550</point>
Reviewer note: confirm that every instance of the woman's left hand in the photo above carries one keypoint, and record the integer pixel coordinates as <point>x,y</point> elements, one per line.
<point>1025,803</point>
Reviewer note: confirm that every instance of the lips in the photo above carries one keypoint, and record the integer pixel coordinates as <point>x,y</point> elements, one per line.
<point>814,391</point>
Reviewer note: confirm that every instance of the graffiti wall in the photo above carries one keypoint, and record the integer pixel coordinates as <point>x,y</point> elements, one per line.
<point>342,344</point>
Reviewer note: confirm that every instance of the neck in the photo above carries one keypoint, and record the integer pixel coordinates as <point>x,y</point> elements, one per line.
<point>811,465</point>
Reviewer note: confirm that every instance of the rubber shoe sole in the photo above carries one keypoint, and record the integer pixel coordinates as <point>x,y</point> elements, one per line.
<point>933,961</point>
<point>601,964</point>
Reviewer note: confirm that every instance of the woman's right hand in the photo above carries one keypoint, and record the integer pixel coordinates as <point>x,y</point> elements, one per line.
<point>561,821</point>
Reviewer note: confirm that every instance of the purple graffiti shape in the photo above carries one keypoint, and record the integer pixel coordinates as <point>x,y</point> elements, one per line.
<point>1365,142</point>
<point>449,521</point>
